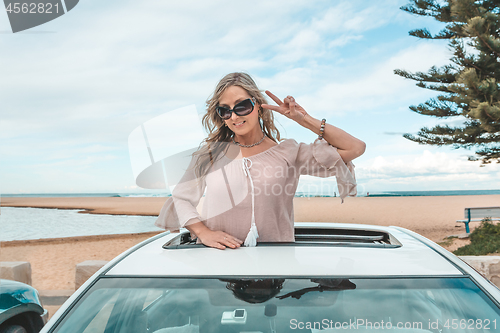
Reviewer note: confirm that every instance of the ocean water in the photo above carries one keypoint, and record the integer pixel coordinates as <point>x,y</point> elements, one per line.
<point>34,223</point>
<point>432,193</point>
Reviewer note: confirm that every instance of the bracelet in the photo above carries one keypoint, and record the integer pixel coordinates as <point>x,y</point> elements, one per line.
<point>322,129</point>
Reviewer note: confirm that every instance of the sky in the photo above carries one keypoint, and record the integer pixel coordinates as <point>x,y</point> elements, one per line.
<point>73,90</point>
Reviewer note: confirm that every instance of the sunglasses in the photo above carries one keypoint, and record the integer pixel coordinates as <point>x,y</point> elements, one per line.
<point>243,108</point>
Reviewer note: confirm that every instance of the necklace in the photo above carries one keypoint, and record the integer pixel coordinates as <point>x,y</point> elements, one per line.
<point>248,146</point>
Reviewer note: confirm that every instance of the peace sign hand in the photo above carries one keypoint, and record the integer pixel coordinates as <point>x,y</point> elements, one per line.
<point>289,108</point>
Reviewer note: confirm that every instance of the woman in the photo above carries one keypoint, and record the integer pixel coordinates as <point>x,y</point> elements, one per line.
<point>250,179</point>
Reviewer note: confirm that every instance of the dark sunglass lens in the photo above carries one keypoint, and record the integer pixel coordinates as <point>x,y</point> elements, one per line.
<point>243,108</point>
<point>224,113</point>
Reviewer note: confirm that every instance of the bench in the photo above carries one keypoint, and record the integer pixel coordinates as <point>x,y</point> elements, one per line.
<point>477,214</point>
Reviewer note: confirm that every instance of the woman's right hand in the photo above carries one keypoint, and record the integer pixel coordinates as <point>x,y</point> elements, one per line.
<point>216,239</point>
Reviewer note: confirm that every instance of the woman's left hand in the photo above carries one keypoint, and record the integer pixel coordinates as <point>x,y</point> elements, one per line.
<point>289,108</point>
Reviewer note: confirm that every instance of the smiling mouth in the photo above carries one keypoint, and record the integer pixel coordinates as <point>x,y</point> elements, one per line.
<point>239,124</point>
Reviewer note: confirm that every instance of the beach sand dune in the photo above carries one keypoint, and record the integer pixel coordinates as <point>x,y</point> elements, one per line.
<point>53,261</point>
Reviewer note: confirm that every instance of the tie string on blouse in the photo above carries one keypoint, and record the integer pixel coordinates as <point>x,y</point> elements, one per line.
<point>251,239</point>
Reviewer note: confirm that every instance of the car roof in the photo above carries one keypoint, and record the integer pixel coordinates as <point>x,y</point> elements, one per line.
<point>408,257</point>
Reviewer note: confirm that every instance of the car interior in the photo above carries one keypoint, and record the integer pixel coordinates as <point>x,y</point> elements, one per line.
<point>284,305</point>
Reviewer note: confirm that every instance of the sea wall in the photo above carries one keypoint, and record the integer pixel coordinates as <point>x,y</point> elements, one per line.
<point>489,266</point>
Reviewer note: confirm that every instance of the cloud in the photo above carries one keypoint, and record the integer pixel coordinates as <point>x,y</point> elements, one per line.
<point>72,97</point>
<point>394,133</point>
<point>378,86</point>
<point>426,171</point>
<point>150,57</point>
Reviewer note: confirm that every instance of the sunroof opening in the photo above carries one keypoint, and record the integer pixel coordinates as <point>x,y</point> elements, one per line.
<point>305,236</point>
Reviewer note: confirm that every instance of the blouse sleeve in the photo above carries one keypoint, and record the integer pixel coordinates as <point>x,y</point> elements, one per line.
<point>180,209</point>
<point>321,159</point>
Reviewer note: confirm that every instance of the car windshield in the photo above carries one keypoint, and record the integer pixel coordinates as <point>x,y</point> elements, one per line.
<point>161,305</point>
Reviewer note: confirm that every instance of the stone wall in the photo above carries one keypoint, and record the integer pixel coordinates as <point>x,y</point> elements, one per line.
<point>489,266</point>
<point>16,271</point>
<point>86,269</point>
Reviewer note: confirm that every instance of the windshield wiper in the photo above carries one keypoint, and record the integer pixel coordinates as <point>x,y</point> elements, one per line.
<point>323,285</point>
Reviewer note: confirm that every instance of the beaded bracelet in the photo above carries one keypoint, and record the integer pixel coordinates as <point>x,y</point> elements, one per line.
<point>322,129</point>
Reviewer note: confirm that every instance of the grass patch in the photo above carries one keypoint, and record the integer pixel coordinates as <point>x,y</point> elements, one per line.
<point>447,241</point>
<point>485,239</point>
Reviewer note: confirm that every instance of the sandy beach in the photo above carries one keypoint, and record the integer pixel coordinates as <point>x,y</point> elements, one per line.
<point>53,261</point>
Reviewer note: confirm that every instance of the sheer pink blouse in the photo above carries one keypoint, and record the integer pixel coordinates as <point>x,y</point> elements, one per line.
<point>257,188</point>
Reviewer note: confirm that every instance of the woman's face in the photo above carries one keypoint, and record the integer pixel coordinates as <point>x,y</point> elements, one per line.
<point>240,125</point>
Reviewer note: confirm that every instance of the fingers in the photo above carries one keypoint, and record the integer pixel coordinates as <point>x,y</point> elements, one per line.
<point>221,240</point>
<point>291,103</point>
<point>217,246</point>
<point>288,105</point>
<point>231,241</point>
<point>286,102</point>
<point>270,107</point>
<point>274,97</point>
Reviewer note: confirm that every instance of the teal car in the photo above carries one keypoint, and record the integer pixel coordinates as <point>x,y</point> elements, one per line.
<point>20,308</point>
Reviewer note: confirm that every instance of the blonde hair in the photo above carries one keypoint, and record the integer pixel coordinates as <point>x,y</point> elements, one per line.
<point>219,135</point>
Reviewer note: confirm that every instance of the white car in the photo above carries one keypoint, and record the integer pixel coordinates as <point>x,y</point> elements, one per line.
<point>334,278</point>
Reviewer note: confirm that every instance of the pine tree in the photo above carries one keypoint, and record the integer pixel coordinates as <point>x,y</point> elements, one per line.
<point>469,86</point>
